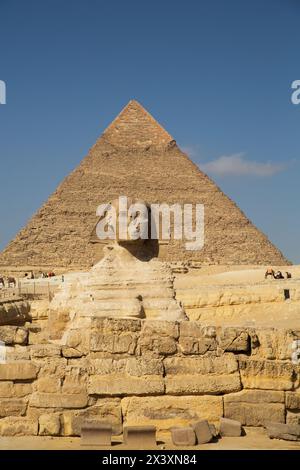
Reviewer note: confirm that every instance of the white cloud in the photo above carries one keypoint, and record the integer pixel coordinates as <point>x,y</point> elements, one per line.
<point>238,165</point>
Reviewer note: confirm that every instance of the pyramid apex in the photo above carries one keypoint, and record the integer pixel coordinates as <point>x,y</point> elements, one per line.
<point>135,127</point>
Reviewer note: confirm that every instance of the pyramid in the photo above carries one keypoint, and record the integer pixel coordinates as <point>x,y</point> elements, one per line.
<point>137,158</point>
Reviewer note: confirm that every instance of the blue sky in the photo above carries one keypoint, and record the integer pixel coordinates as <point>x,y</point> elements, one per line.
<point>217,74</point>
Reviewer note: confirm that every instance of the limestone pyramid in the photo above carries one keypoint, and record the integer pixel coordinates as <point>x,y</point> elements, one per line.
<point>137,158</point>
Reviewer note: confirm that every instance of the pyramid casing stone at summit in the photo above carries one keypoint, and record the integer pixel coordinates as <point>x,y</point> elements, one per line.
<point>137,158</point>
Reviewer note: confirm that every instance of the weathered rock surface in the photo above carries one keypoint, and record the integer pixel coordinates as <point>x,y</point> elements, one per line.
<point>58,400</point>
<point>230,427</point>
<point>18,371</point>
<point>268,375</point>
<point>49,425</point>
<point>105,410</point>
<point>183,436</point>
<point>13,335</point>
<point>203,431</point>
<point>288,432</point>
<point>202,375</point>
<point>254,407</point>
<point>171,411</point>
<point>14,426</point>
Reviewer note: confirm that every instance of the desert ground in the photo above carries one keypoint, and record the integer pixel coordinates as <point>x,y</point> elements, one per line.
<point>255,439</point>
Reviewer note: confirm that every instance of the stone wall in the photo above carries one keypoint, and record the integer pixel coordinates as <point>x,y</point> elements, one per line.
<point>131,371</point>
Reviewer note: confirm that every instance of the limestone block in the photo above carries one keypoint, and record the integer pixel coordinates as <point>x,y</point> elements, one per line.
<point>51,366</point>
<point>255,396</point>
<point>17,353</point>
<point>74,338</point>
<point>71,352</point>
<point>75,381</point>
<point>116,325</point>
<point>275,343</point>
<point>45,350</point>
<point>193,384</point>
<point>11,389</point>
<point>48,384</point>
<point>106,410</point>
<point>288,432</point>
<point>58,400</point>
<point>292,400</point>
<point>22,370</point>
<point>203,431</point>
<point>293,417</point>
<point>14,426</point>
<point>12,407</point>
<point>21,390</point>
<point>159,337</point>
<point>267,375</point>
<point>113,343</point>
<point>82,362</point>
<point>106,366</point>
<point>21,336</point>
<point>234,340</point>
<point>49,425</point>
<point>79,340</point>
<point>230,427</point>
<point>35,413</point>
<point>254,407</point>
<point>183,436</point>
<point>13,335</point>
<point>160,328</point>
<point>201,375</point>
<point>6,389</point>
<point>121,384</point>
<point>196,339</point>
<point>137,367</point>
<point>226,364</point>
<point>196,330</point>
<point>171,411</point>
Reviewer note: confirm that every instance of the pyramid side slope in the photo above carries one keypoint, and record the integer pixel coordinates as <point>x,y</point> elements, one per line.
<point>59,234</point>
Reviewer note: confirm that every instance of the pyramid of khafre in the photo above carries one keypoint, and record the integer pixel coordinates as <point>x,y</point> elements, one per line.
<point>137,158</point>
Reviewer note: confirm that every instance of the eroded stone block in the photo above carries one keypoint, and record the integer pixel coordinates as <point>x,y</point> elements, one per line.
<point>267,375</point>
<point>18,371</point>
<point>14,426</point>
<point>169,411</point>
<point>288,432</point>
<point>106,410</point>
<point>203,431</point>
<point>58,400</point>
<point>230,427</point>
<point>183,436</point>
<point>254,407</point>
<point>49,425</point>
